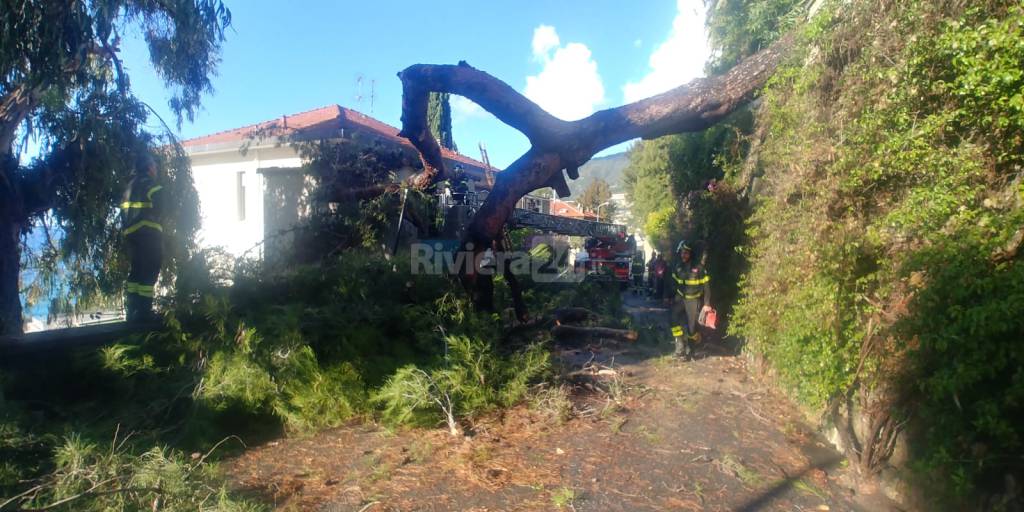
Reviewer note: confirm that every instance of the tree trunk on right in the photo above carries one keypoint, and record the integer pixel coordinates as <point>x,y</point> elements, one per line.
<point>10,260</point>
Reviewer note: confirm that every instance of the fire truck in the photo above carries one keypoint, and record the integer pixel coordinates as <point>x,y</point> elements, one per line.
<point>609,257</point>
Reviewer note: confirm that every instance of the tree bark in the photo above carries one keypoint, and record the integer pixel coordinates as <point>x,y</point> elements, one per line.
<point>558,145</point>
<point>10,248</point>
<point>10,261</point>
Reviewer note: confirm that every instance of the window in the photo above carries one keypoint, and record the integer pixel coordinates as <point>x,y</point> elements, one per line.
<point>240,193</point>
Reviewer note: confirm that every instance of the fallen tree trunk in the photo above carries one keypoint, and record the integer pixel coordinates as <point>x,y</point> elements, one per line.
<point>574,331</point>
<point>558,145</point>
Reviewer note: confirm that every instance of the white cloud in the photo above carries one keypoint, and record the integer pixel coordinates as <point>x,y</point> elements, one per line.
<point>680,58</point>
<point>463,109</point>
<point>544,39</point>
<point>568,85</point>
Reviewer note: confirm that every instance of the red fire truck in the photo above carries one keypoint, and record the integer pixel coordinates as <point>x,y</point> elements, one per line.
<point>609,257</point>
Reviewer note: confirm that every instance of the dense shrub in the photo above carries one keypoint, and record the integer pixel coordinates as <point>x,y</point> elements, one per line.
<point>887,227</point>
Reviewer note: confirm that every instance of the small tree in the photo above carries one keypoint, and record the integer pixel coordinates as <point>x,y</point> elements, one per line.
<point>61,81</point>
<point>596,194</point>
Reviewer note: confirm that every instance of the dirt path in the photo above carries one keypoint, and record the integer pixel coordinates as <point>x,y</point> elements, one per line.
<point>646,433</point>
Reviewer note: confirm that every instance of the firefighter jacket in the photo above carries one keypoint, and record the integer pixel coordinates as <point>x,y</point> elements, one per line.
<point>692,282</point>
<point>142,206</point>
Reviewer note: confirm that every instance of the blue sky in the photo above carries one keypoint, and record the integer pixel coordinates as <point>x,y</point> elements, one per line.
<point>572,57</point>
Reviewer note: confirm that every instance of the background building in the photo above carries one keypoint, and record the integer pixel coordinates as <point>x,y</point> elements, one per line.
<point>252,184</point>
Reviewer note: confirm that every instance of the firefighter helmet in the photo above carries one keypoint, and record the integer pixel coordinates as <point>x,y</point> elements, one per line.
<point>683,246</point>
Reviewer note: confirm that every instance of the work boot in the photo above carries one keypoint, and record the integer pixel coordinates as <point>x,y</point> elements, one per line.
<point>682,349</point>
<point>692,343</point>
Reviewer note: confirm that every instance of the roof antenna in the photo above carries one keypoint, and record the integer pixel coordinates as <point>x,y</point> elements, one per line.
<point>359,89</point>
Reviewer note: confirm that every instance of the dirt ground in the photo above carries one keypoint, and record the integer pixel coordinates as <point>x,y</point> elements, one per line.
<point>630,429</point>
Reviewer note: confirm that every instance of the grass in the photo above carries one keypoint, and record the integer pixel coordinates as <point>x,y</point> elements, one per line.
<point>617,425</point>
<point>731,465</point>
<point>564,497</point>
<point>803,486</point>
<point>554,403</point>
<point>421,450</point>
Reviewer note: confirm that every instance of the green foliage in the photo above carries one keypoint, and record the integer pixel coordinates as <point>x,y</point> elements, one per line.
<point>59,62</point>
<point>343,167</point>
<point>439,117</point>
<point>292,352</point>
<point>596,194</point>
<point>666,170</point>
<point>93,477</point>
<point>647,180</point>
<point>232,378</point>
<point>892,176</point>
<point>472,378</point>
<point>661,228</point>
<point>738,29</point>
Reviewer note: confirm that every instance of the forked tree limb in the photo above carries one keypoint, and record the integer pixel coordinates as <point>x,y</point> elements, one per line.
<point>558,145</point>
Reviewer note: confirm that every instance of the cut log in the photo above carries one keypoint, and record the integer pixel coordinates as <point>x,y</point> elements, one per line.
<point>573,331</point>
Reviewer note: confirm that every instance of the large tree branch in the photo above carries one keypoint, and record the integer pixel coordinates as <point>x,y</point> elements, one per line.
<point>690,107</point>
<point>495,96</point>
<point>558,145</point>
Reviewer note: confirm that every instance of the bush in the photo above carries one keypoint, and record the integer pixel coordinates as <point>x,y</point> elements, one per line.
<point>471,379</point>
<point>892,169</point>
<point>91,477</point>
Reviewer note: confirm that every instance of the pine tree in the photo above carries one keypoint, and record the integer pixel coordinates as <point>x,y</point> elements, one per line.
<point>439,115</point>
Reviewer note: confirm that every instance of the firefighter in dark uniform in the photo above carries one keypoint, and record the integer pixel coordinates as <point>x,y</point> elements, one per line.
<point>142,208</point>
<point>692,294</point>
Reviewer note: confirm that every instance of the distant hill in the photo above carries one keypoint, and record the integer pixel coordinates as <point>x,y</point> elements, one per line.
<point>608,168</point>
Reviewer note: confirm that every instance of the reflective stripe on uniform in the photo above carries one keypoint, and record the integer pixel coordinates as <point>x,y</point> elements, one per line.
<point>127,205</point>
<point>677,330</point>
<point>141,224</point>
<point>692,295</point>
<point>697,282</point>
<point>139,289</point>
<point>154,190</point>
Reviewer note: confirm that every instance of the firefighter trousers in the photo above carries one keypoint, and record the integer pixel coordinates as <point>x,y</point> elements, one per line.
<point>684,325</point>
<point>145,253</point>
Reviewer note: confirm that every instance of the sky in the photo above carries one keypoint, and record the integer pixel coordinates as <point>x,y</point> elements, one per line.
<point>571,57</point>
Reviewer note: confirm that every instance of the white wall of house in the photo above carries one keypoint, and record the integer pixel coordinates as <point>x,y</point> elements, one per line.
<point>231,192</point>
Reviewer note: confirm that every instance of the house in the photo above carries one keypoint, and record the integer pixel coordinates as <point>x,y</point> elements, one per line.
<point>570,209</point>
<point>252,186</point>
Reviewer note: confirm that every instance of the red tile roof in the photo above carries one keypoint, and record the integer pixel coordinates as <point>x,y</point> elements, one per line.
<point>567,209</point>
<point>331,121</point>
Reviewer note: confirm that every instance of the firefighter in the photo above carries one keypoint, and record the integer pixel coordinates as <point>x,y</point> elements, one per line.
<point>692,294</point>
<point>637,271</point>
<point>143,233</point>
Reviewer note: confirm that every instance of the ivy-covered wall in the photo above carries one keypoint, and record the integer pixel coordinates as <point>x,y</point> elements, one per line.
<point>881,253</point>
